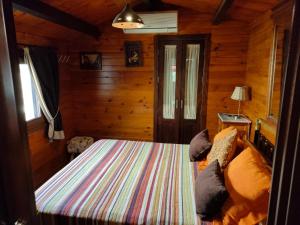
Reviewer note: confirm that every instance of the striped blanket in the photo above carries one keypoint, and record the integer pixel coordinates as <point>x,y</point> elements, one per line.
<point>122,182</point>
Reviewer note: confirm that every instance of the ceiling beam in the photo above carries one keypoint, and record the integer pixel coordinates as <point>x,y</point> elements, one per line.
<point>47,12</point>
<point>222,11</point>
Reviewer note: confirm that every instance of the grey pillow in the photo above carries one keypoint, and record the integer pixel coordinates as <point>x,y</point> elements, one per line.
<point>200,146</point>
<point>210,191</point>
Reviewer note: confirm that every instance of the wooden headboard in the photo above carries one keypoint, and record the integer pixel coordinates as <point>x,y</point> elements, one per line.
<point>264,145</point>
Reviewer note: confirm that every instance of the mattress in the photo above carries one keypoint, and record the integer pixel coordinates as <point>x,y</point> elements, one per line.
<point>122,182</point>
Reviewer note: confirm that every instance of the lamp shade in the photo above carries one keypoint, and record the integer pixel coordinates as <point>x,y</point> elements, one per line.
<point>127,19</point>
<point>240,94</point>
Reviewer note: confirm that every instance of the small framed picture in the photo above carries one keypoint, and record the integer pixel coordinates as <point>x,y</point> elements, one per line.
<point>91,60</point>
<point>133,53</point>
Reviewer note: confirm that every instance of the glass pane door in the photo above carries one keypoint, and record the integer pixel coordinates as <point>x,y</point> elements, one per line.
<point>191,81</point>
<point>180,85</point>
<point>169,83</point>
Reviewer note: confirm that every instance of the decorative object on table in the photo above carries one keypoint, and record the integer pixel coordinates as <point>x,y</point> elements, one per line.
<point>133,53</point>
<point>78,144</point>
<point>241,122</point>
<point>128,19</point>
<point>91,60</point>
<point>240,94</point>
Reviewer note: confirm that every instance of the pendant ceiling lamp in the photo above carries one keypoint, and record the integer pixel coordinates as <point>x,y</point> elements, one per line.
<point>127,19</point>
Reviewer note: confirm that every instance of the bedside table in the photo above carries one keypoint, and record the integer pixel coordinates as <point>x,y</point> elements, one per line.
<point>241,122</point>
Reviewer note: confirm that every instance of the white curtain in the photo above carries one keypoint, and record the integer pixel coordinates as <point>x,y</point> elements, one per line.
<point>191,81</point>
<point>52,134</point>
<point>169,82</point>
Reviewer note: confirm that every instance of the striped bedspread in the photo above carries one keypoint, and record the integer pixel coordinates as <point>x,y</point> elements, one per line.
<point>122,182</point>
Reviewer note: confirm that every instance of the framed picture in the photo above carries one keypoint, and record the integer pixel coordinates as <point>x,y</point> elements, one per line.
<point>133,53</point>
<point>91,60</point>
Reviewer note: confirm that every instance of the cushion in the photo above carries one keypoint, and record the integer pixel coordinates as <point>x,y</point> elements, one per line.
<point>202,165</point>
<point>248,180</point>
<point>223,133</point>
<point>210,191</point>
<point>240,146</point>
<point>200,146</point>
<point>223,148</point>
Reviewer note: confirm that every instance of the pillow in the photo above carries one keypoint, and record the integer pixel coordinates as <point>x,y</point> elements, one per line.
<point>210,191</point>
<point>223,133</point>
<point>200,146</point>
<point>248,180</point>
<point>240,146</point>
<point>202,165</point>
<point>223,148</point>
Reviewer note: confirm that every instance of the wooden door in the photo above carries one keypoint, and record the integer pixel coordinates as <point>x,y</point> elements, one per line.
<point>180,96</point>
<point>17,204</point>
<point>168,91</point>
<point>193,89</point>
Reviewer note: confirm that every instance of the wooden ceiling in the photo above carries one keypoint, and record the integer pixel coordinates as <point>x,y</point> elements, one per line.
<point>27,24</point>
<point>203,6</point>
<point>248,10</point>
<point>93,11</point>
<point>102,11</point>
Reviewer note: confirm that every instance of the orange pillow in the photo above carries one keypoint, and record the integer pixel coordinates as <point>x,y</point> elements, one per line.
<point>202,165</point>
<point>223,133</point>
<point>248,180</point>
<point>240,146</point>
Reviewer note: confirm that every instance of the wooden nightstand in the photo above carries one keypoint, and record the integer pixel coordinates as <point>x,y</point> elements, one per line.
<point>241,122</point>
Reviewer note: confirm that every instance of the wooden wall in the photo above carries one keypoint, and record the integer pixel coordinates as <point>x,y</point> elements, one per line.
<point>117,102</point>
<point>258,68</point>
<point>47,158</point>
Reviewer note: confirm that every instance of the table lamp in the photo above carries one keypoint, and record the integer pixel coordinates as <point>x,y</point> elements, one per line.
<point>240,94</point>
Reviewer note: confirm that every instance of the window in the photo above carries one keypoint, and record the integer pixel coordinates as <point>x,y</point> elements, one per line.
<point>31,106</point>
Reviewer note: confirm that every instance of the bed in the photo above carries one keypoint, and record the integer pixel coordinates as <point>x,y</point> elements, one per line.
<point>122,182</point>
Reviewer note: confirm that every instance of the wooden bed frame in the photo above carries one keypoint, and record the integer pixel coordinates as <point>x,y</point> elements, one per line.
<point>264,146</point>
<point>265,138</point>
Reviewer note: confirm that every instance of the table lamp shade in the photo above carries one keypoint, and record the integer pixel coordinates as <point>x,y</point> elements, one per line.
<point>240,94</point>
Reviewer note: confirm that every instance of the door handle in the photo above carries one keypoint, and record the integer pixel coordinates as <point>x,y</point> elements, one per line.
<point>181,104</point>
<point>176,103</point>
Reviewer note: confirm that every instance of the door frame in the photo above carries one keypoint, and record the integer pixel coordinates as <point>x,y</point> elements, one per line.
<point>17,193</point>
<point>285,190</point>
<point>207,42</point>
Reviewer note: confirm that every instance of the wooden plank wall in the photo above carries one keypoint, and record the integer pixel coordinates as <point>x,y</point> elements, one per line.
<point>117,102</point>
<point>258,67</point>
<point>47,158</point>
